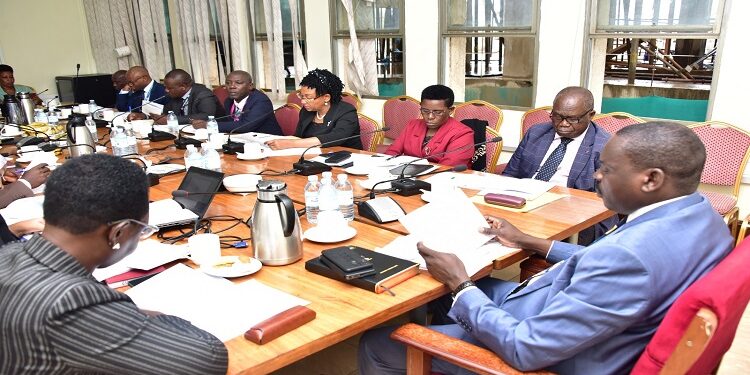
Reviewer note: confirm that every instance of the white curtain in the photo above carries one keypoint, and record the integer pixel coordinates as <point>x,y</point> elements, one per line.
<point>194,38</point>
<point>360,59</point>
<point>228,29</point>
<point>300,66</point>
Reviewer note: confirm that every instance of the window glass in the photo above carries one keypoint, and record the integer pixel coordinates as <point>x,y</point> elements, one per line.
<point>657,14</point>
<point>493,14</point>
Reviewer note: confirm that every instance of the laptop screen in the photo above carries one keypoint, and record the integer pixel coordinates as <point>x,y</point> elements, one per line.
<point>199,180</point>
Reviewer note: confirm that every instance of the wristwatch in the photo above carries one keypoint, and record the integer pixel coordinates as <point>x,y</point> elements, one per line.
<point>461,287</point>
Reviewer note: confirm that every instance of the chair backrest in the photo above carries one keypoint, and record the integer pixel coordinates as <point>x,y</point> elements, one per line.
<point>482,110</point>
<point>727,152</point>
<point>221,94</point>
<point>533,117</point>
<point>700,326</point>
<point>351,99</point>
<point>614,121</point>
<point>397,112</point>
<point>287,117</point>
<point>292,98</point>
<point>368,125</point>
<point>494,149</point>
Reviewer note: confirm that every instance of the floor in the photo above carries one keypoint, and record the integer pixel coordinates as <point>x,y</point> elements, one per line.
<point>341,359</point>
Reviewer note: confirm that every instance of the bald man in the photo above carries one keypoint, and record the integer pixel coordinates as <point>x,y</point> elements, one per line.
<point>565,150</point>
<point>143,89</point>
<point>190,101</point>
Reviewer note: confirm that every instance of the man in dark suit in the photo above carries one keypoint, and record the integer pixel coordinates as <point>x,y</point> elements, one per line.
<point>122,89</point>
<point>564,151</point>
<point>250,109</point>
<point>143,89</point>
<point>188,100</point>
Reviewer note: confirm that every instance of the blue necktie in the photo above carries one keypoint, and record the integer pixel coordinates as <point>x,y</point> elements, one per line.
<point>549,167</point>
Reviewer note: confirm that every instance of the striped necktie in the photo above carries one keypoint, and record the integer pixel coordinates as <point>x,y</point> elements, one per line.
<point>549,167</point>
<point>184,108</point>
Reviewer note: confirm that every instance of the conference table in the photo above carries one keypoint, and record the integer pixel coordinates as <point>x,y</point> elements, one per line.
<point>344,311</point>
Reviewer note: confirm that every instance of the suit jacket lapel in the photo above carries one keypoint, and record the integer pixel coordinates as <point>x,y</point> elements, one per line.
<point>538,155</point>
<point>583,155</point>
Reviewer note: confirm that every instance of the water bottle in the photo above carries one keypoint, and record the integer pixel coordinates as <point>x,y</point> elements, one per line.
<point>119,141</point>
<point>345,196</point>
<point>213,130</point>
<point>52,119</point>
<point>211,158</point>
<point>92,128</point>
<point>193,157</point>
<point>312,189</point>
<point>39,116</point>
<point>131,142</point>
<point>172,123</point>
<point>327,196</point>
<point>92,106</point>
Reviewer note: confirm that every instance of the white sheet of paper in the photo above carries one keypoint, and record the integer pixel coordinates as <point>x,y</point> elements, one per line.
<point>296,151</point>
<point>152,108</point>
<point>23,209</point>
<point>526,188</point>
<point>168,211</point>
<point>216,305</point>
<point>448,225</point>
<point>113,270</point>
<point>151,254</point>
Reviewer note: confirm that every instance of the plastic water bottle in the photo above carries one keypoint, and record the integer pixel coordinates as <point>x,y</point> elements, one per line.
<point>39,116</point>
<point>327,196</point>
<point>92,128</point>
<point>119,141</point>
<point>92,106</point>
<point>172,123</point>
<point>193,157</point>
<point>312,189</point>
<point>345,196</point>
<point>213,130</point>
<point>131,142</point>
<point>52,119</point>
<point>211,158</point>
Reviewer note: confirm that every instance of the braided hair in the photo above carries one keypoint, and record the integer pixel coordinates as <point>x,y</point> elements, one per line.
<point>324,82</point>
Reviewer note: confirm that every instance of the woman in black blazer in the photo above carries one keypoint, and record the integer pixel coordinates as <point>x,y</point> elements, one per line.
<point>324,117</point>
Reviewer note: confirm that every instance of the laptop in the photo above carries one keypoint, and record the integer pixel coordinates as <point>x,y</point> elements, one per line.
<point>187,210</point>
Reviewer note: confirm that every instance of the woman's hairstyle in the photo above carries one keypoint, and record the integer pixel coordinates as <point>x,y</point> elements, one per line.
<point>324,82</point>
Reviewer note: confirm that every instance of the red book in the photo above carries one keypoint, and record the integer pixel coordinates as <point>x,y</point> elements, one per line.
<point>123,278</point>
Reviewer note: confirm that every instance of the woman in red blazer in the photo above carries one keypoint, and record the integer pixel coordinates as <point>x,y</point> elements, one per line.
<point>436,132</point>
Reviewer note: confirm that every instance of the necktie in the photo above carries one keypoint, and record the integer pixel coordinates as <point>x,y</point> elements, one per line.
<point>237,113</point>
<point>184,108</point>
<point>549,167</point>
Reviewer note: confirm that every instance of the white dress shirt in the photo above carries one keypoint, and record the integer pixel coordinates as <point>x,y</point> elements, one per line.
<point>147,91</point>
<point>563,170</point>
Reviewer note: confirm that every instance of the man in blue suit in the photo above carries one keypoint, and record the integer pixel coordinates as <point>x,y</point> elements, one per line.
<point>595,310</point>
<point>564,151</point>
<point>247,109</point>
<point>143,89</point>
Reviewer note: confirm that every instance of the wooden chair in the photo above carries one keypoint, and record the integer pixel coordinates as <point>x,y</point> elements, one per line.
<point>533,117</point>
<point>287,117</point>
<point>727,153</point>
<point>292,98</point>
<point>695,333</point>
<point>351,99</point>
<point>482,110</point>
<point>614,121</point>
<point>743,230</point>
<point>221,94</point>
<point>493,149</point>
<point>397,112</point>
<point>367,125</point>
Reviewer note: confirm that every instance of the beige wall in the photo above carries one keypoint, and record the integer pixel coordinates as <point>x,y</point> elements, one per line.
<point>42,39</point>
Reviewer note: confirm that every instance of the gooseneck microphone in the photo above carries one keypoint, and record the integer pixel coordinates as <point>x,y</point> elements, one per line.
<point>46,105</point>
<point>30,141</point>
<point>75,84</point>
<point>185,193</point>
<point>138,107</point>
<point>232,148</point>
<point>417,184</point>
<point>182,142</point>
<point>309,167</point>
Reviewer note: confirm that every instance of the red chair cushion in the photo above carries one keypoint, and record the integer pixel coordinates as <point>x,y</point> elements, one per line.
<point>722,203</point>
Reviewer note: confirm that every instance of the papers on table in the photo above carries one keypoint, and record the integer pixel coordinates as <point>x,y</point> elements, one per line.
<point>213,304</point>
<point>23,209</point>
<point>166,212</point>
<point>148,255</point>
<point>526,188</point>
<point>152,108</point>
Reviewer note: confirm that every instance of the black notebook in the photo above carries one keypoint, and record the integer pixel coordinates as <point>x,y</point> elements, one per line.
<point>390,271</point>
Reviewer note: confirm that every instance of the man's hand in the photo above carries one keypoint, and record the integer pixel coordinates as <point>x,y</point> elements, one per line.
<point>37,175</point>
<point>198,124</point>
<point>510,236</point>
<point>136,116</point>
<point>159,119</point>
<point>279,144</point>
<point>444,267</point>
<point>27,226</point>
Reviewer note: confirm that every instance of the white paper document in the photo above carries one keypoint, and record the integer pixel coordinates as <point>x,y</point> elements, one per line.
<point>151,254</point>
<point>216,305</point>
<point>23,209</point>
<point>526,188</point>
<point>152,108</point>
<point>168,212</point>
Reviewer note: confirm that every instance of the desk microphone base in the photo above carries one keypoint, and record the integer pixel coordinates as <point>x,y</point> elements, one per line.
<point>232,148</point>
<point>183,142</point>
<point>408,187</point>
<point>308,167</point>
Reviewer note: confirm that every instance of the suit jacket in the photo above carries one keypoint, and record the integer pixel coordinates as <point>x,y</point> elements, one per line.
<point>201,103</point>
<point>450,136</point>
<point>257,116</point>
<point>135,99</point>
<point>11,192</point>
<point>530,152</point>
<point>341,122</point>
<point>596,311</point>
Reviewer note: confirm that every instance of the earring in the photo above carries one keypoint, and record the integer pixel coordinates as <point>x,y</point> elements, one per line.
<point>326,103</point>
<point>116,246</point>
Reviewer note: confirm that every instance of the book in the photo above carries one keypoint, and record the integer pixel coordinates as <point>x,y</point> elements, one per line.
<point>390,271</point>
<point>122,279</point>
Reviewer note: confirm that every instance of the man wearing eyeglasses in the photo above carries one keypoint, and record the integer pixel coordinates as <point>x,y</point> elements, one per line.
<point>565,150</point>
<point>56,319</point>
<point>143,89</point>
<point>436,132</point>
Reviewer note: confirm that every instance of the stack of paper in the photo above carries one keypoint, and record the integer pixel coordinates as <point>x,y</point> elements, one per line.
<point>526,188</point>
<point>148,255</point>
<point>213,304</point>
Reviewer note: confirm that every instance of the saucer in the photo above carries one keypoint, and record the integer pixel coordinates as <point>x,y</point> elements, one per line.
<point>426,196</point>
<point>243,156</point>
<point>358,170</point>
<point>9,135</point>
<point>230,266</point>
<point>314,234</point>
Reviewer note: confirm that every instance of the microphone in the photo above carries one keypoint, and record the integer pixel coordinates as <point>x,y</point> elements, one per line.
<point>182,142</point>
<point>51,147</point>
<point>30,141</point>
<point>138,107</point>
<point>185,193</point>
<point>42,92</point>
<point>46,105</point>
<point>75,84</point>
<point>408,186</point>
<point>309,167</point>
<point>418,184</point>
<point>232,148</point>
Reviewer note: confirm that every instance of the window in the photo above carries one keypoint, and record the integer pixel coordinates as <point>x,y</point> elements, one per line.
<point>489,49</point>
<point>261,37</point>
<point>658,56</point>
<point>379,29</point>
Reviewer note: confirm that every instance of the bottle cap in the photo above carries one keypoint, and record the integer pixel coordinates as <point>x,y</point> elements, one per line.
<point>342,177</point>
<point>312,177</point>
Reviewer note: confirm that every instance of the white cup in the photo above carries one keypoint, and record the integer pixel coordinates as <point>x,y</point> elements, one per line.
<point>108,115</point>
<point>83,108</point>
<point>66,112</point>
<point>10,130</point>
<point>204,248</point>
<point>252,149</point>
<point>331,221</point>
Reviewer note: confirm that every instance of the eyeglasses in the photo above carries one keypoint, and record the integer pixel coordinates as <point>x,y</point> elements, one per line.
<point>572,120</point>
<point>307,100</point>
<point>435,112</point>
<point>146,229</point>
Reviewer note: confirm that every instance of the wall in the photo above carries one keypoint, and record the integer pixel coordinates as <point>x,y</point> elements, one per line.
<point>42,39</point>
